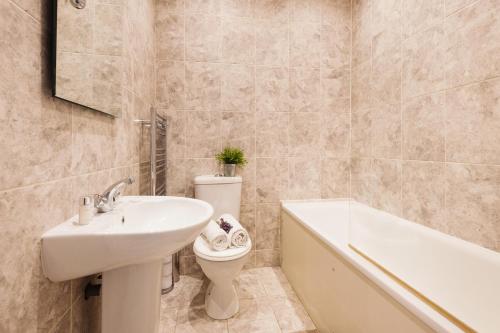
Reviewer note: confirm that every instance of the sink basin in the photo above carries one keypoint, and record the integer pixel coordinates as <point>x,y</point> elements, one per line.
<point>127,245</point>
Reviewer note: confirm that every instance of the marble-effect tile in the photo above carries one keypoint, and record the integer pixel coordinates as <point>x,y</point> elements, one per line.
<point>267,304</point>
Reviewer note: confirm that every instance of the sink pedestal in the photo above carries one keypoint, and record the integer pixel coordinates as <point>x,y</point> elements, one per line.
<point>131,298</point>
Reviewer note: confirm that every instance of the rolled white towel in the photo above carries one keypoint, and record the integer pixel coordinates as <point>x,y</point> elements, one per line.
<point>215,236</point>
<point>237,234</point>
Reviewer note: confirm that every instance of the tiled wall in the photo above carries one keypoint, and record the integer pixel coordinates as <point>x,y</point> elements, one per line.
<point>269,76</point>
<point>51,152</point>
<point>426,113</point>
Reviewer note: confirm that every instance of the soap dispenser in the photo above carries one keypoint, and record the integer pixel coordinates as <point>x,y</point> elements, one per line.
<point>86,209</point>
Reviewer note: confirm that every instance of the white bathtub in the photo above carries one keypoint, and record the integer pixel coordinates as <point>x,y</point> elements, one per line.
<point>334,233</point>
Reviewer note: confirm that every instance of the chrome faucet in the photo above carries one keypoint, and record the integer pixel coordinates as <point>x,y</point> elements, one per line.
<point>106,201</point>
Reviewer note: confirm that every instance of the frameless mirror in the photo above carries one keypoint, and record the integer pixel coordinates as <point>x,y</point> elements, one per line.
<point>89,62</point>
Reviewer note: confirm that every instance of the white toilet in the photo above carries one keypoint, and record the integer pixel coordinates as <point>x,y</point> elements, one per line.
<point>221,267</point>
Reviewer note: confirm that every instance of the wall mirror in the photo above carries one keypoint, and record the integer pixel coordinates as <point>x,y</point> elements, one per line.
<point>88,50</point>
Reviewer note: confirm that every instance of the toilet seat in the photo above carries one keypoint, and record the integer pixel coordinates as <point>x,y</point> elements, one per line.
<point>203,250</point>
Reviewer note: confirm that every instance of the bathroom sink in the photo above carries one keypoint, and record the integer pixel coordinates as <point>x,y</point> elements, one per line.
<point>127,245</point>
<point>138,230</point>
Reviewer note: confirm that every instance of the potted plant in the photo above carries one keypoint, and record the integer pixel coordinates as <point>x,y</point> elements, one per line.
<point>230,157</point>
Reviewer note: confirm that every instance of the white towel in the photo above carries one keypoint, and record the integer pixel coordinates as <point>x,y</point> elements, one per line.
<point>215,236</point>
<point>238,235</point>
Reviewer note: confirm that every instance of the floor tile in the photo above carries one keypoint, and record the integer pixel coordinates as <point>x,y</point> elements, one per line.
<point>268,304</point>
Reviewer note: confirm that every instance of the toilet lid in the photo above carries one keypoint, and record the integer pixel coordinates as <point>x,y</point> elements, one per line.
<point>203,250</point>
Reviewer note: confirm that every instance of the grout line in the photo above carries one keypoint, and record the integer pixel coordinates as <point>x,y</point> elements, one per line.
<point>461,8</point>
<point>24,11</point>
<point>401,133</point>
<point>350,100</point>
<point>70,177</point>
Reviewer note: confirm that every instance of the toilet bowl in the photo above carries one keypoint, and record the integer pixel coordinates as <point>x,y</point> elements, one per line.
<point>221,267</point>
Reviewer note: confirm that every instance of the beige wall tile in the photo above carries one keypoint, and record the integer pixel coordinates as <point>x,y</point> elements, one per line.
<point>335,133</point>
<point>335,89</point>
<point>271,134</point>
<point>455,5</point>
<point>37,149</point>
<point>448,93</point>
<point>424,193</point>
<point>268,226</point>
<point>335,46</point>
<point>29,301</point>
<point>306,10</point>
<point>304,134</point>
<point>248,188</point>
<point>335,179</point>
<point>203,38</point>
<point>238,40</point>
<point>361,132</point>
<point>336,12</point>
<point>473,203</point>
<point>386,26</point>
<point>362,180</point>
<point>176,177</point>
<point>305,92</point>
<point>361,32</point>
<point>272,45</point>
<point>272,89</point>
<point>472,123</point>
<point>387,185</point>
<point>362,86</point>
<point>91,135</point>
<point>238,88</point>
<point>172,6</point>
<point>37,9</point>
<point>176,133</point>
<point>304,178</point>
<point>419,15</point>
<point>276,10</point>
<point>472,36</point>
<point>238,130</point>
<point>424,62</point>
<point>305,45</point>
<point>271,179</point>
<point>247,220</point>
<point>386,78</point>
<point>170,36</point>
<point>170,85</point>
<point>386,131</point>
<point>203,137</point>
<point>211,7</point>
<point>125,134</point>
<point>424,128</point>
<point>239,8</point>
<point>203,86</point>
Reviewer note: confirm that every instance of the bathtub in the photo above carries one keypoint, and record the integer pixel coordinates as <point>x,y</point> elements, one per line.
<point>355,271</point>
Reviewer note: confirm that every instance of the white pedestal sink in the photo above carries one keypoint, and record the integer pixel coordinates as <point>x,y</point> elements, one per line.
<point>127,245</point>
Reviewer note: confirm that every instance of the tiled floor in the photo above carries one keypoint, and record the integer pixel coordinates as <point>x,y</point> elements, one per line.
<point>267,305</point>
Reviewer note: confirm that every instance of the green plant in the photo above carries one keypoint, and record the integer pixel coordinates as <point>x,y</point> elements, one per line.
<point>231,155</point>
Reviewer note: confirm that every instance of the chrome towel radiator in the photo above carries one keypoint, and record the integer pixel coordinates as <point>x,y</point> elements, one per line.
<point>158,154</point>
<point>158,174</point>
